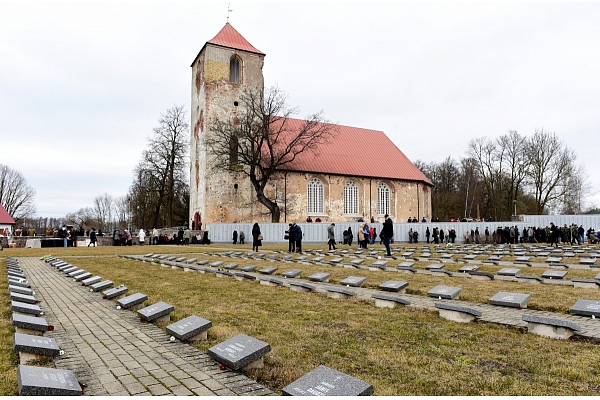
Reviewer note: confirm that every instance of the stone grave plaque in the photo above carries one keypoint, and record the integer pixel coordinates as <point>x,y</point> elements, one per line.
<point>171,258</point>
<point>506,299</point>
<point>202,262</point>
<point>568,254</point>
<point>270,281</point>
<point>587,261</point>
<point>468,268</point>
<point>425,255</point>
<point>16,275</point>
<point>156,312</point>
<point>189,327</point>
<point>259,256</point>
<point>83,276</point>
<point>393,286</point>
<point>114,292</point>
<point>240,276</point>
<point>91,281</point>
<point>355,262</point>
<point>551,274</point>
<point>76,272</point>
<point>320,277</point>
<point>301,258</point>
<point>301,287</point>
<point>273,257</point>
<point>33,344</point>
<point>69,270</point>
<point>324,381</point>
<point>354,281</point>
<point>268,270</point>
<point>522,259</point>
<point>240,351</point>
<point>148,255</point>
<point>39,381</point>
<point>495,258</point>
<point>20,290</point>
<point>287,258</point>
<point>248,268</point>
<point>586,308</point>
<point>406,264</point>
<point>25,308</point>
<point>509,271</point>
<point>337,260</point>
<point>132,300</point>
<point>551,260</point>
<point>180,259</point>
<point>96,287</point>
<point>434,267</point>
<point>30,323</point>
<point>543,254</point>
<point>231,266</point>
<point>317,260</point>
<point>191,260</point>
<point>447,256</point>
<point>23,298</point>
<point>291,273</point>
<point>216,264</point>
<point>407,254</point>
<point>444,292</point>
<point>470,257</point>
<point>20,283</point>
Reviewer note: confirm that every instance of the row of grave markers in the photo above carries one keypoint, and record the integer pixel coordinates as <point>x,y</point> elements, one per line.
<point>241,352</point>
<point>30,326</point>
<point>549,327</point>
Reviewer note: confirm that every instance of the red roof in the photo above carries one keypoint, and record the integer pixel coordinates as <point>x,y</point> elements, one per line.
<point>229,37</point>
<point>5,218</point>
<point>357,152</point>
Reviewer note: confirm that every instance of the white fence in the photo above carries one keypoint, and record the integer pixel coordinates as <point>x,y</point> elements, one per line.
<point>317,232</point>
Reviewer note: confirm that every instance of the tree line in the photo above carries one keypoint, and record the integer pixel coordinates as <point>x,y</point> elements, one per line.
<point>510,174</point>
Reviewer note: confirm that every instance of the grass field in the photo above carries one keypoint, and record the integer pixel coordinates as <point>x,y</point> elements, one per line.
<point>401,351</point>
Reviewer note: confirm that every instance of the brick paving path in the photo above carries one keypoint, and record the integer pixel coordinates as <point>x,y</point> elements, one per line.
<point>115,354</point>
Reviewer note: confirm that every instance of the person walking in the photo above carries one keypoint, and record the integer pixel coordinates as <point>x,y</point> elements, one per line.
<point>298,237</point>
<point>154,236</point>
<point>187,235</point>
<point>93,238</point>
<point>256,237</point>
<point>350,236</point>
<point>235,237</point>
<point>331,236</point>
<point>242,237</point>
<point>142,236</point>
<point>387,232</point>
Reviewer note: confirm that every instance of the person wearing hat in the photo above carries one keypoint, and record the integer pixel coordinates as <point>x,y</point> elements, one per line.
<point>331,236</point>
<point>388,233</point>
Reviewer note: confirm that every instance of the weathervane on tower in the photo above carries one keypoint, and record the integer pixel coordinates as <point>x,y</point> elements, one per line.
<point>229,10</point>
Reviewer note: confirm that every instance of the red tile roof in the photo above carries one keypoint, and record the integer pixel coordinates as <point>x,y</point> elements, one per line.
<point>5,218</point>
<point>229,37</point>
<point>357,152</point>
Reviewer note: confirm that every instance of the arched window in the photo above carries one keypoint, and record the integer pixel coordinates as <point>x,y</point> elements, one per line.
<point>234,69</point>
<point>315,196</point>
<point>383,199</point>
<point>350,198</point>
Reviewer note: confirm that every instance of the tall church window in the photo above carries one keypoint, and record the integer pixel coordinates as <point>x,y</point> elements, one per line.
<point>234,69</point>
<point>233,150</point>
<point>350,198</point>
<point>383,199</point>
<point>315,196</point>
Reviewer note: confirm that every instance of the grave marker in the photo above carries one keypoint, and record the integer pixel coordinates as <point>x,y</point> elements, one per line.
<point>30,325</point>
<point>30,347</point>
<point>550,327</point>
<point>354,281</point>
<point>39,381</point>
<point>25,308</point>
<point>115,293</point>
<point>444,292</point>
<point>240,352</point>
<point>192,328</point>
<point>586,308</point>
<point>516,300</point>
<point>324,381</point>
<point>133,301</point>
<point>159,312</point>
<point>393,286</point>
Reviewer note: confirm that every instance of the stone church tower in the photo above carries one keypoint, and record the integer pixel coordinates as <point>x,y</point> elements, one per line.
<point>226,66</point>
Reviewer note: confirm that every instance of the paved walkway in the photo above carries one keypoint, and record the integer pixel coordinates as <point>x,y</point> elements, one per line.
<point>115,354</point>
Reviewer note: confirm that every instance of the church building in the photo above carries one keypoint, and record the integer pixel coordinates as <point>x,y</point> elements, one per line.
<point>359,174</point>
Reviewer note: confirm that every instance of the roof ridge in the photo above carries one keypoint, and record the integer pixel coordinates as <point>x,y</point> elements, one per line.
<point>228,36</point>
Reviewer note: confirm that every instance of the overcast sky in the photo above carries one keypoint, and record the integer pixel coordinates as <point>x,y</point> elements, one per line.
<point>83,83</point>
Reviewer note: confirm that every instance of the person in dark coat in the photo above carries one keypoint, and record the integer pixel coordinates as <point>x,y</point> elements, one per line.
<point>235,235</point>
<point>298,237</point>
<point>291,239</point>
<point>350,236</point>
<point>256,242</point>
<point>387,232</point>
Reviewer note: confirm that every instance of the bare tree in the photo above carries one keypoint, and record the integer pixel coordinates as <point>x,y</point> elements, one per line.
<point>83,217</point>
<point>577,190</point>
<point>159,194</point>
<point>513,147</point>
<point>261,140</point>
<point>551,165</point>
<point>103,209</point>
<point>16,196</point>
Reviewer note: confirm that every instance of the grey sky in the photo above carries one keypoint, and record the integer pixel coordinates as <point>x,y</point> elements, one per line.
<point>82,84</point>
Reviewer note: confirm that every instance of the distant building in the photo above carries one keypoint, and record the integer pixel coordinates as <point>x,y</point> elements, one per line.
<point>359,174</point>
<point>6,221</point>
